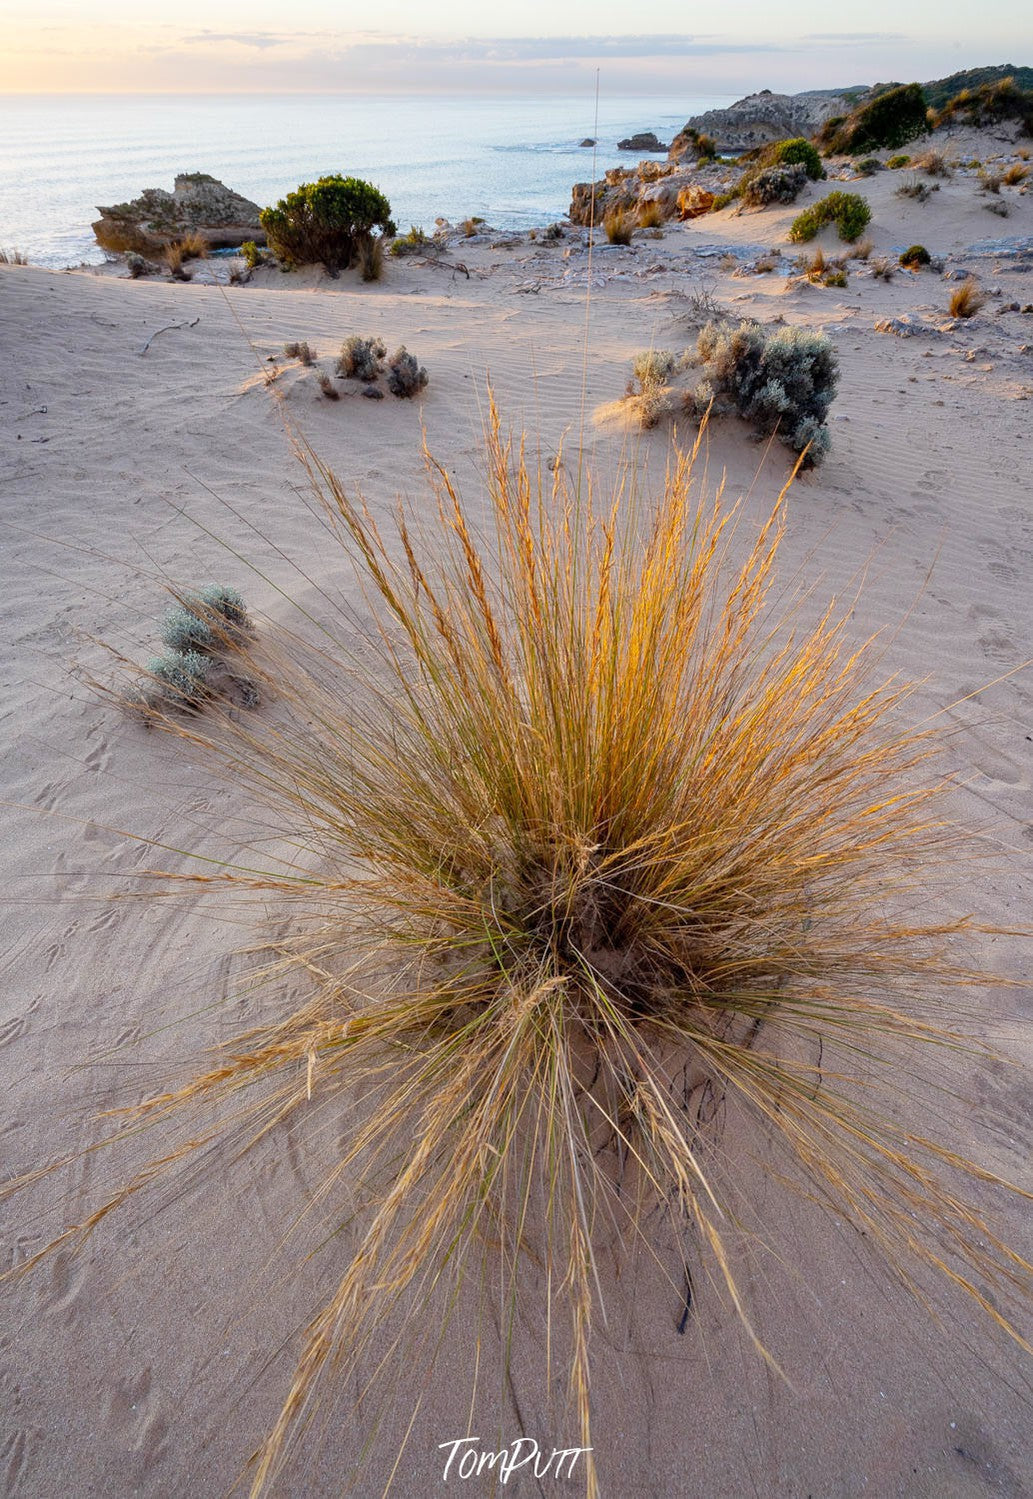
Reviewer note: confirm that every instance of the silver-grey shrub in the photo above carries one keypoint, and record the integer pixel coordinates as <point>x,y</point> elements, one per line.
<point>783,380</point>
<point>405,376</point>
<point>183,630</point>
<point>183,676</point>
<point>360,358</point>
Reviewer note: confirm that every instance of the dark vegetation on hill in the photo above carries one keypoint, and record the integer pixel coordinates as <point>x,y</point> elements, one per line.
<point>942,90</point>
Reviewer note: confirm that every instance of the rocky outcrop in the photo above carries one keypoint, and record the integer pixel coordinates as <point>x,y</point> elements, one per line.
<point>198,204</point>
<point>632,189</point>
<point>759,119</point>
<point>644,141</point>
<point>588,141</point>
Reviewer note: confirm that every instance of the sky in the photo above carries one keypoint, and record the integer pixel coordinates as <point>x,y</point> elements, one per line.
<point>514,46</point>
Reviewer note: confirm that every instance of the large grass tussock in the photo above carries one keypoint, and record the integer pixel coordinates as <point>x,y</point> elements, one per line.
<point>591,820</point>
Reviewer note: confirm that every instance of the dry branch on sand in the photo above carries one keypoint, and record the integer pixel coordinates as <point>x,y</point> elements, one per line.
<point>593,817</point>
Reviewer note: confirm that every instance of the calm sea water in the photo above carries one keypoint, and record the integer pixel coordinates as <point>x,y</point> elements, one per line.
<point>511,160</point>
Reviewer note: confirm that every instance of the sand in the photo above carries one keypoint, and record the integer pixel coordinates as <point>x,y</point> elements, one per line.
<point>145,1366</point>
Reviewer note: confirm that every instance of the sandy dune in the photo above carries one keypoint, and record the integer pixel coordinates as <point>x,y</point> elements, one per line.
<point>143,1366</point>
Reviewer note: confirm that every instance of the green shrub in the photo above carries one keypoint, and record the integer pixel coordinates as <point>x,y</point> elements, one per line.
<point>914,257</point>
<point>251,253</point>
<point>227,603</point>
<point>848,211</point>
<point>869,166</point>
<point>794,152</point>
<point>776,184</point>
<point>361,358</point>
<point>326,222</point>
<point>891,119</point>
<point>722,200</point>
<point>784,380</point>
<point>896,162</point>
<point>405,376</point>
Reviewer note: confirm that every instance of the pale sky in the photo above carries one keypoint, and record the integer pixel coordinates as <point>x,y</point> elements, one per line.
<point>524,46</point>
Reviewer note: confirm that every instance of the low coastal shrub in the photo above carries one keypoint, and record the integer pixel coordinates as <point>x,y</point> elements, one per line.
<point>966,299</point>
<point>794,152</point>
<point>325,222</point>
<point>361,358</point>
<point>869,166</point>
<point>889,120</point>
<point>881,268</point>
<point>778,184</point>
<point>137,266</point>
<point>252,254</point>
<point>406,377</point>
<point>914,257</point>
<point>299,351</point>
<point>848,211</point>
<point>183,630</point>
<point>896,162</point>
<point>783,380</point>
<point>327,386</point>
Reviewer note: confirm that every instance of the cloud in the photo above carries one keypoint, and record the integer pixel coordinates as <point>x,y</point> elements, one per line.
<point>856,37</point>
<point>554,48</point>
<point>260,39</point>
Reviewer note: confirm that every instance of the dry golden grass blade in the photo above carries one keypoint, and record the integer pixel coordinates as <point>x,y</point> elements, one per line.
<point>577,813</point>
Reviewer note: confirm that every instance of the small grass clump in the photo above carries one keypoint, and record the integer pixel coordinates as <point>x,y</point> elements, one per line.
<point>327,386</point>
<point>406,377</point>
<point>848,211</point>
<point>881,268</point>
<point>783,380</point>
<point>361,358</point>
<point>299,351</point>
<point>990,182</point>
<point>598,844</point>
<point>175,261</point>
<point>369,257</point>
<point>913,187</point>
<point>13,257</point>
<point>619,226</point>
<point>650,214</point>
<point>933,163</point>
<point>415,242</point>
<point>1015,174</point>
<point>966,299</point>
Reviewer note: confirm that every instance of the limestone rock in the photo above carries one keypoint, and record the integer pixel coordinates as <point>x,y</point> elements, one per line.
<point>759,119</point>
<point>645,140</point>
<point>198,204</point>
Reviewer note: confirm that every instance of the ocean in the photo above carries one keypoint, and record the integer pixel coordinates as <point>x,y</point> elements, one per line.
<point>510,160</point>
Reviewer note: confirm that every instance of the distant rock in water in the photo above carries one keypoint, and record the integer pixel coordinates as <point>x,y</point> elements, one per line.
<point>759,119</point>
<point>198,204</point>
<point>588,141</point>
<point>644,141</point>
